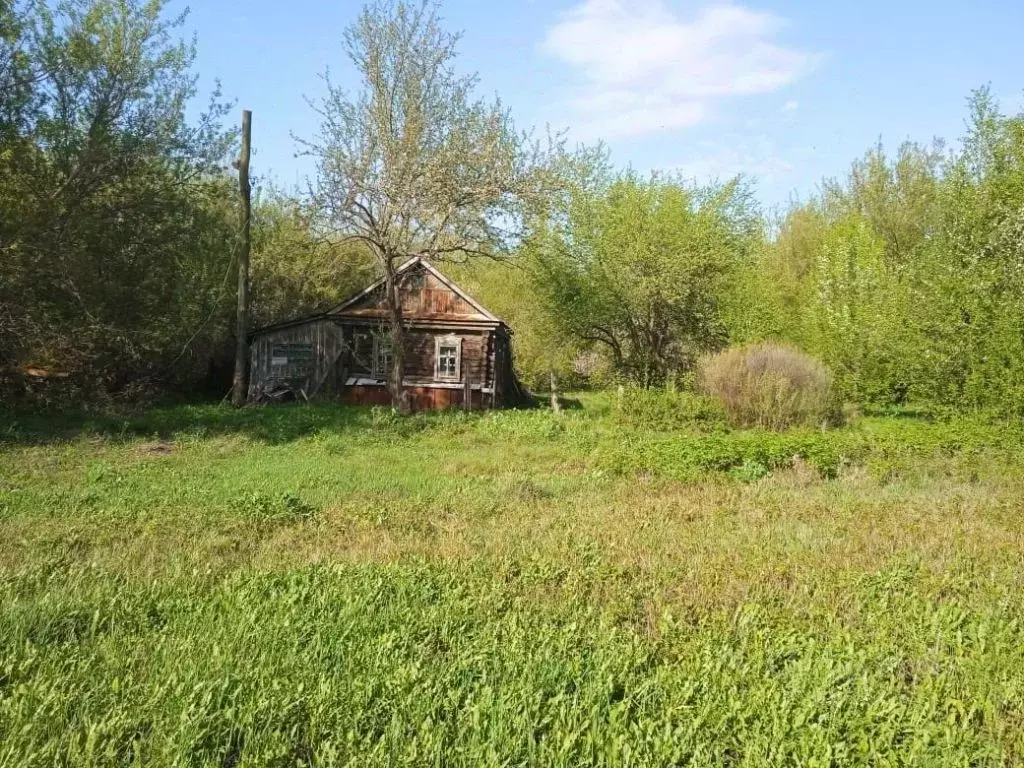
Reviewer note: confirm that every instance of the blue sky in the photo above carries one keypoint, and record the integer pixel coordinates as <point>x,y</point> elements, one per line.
<point>785,91</point>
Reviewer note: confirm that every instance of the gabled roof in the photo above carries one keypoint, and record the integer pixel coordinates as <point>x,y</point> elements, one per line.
<point>355,299</point>
<point>410,264</point>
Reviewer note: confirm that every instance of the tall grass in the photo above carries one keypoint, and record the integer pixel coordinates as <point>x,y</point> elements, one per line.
<point>487,664</point>
<point>328,586</point>
<point>767,385</point>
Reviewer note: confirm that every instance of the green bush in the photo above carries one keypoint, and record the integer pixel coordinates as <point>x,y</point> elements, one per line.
<point>745,455</point>
<point>883,446</point>
<point>661,409</point>
<point>771,386</point>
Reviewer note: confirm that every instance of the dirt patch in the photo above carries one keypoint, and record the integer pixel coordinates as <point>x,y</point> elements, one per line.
<point>159,448</point>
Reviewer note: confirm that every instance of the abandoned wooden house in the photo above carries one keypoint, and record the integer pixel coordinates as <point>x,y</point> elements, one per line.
<point>457,354</point>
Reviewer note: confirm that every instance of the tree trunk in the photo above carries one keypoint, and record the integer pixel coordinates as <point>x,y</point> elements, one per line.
<point>556,405</point>
<point>396,384</point>
<point>240,385</point>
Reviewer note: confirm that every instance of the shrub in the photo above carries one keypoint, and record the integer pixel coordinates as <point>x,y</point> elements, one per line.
<point>771,386</point>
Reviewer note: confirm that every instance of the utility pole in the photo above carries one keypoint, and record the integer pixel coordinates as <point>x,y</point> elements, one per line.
<point>240,389</point>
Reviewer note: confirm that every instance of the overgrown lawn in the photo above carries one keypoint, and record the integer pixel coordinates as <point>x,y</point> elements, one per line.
<point>316,585</point>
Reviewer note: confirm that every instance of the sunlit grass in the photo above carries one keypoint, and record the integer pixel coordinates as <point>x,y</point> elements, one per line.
<point>328,586</point>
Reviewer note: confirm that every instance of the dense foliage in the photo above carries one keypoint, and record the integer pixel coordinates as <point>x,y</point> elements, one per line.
<point>767,385</point>
<point>118,225</point>
<point>117,210</point>
<point>115,228</point>
<point>638,268</point>
<point>906,277</point>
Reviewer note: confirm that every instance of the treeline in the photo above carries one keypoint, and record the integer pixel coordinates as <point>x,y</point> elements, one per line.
<point>118,222</point>
<point>906,278</point>
<point>118,215</point>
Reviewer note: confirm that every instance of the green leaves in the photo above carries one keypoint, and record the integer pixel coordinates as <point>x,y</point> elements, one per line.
<point>116,215</point>
<point>637,269</point>
<point>905,277</point>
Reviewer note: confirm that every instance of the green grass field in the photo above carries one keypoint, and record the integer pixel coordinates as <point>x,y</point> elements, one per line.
<point>316,585</point>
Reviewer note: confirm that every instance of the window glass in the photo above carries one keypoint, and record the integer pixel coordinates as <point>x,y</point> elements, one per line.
<point>448,360</point>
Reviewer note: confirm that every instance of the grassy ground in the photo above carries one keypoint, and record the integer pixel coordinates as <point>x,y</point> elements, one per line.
<point>319,585</point>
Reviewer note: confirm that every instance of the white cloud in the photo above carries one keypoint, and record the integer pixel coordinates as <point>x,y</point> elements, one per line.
<point>722,161</point>
<point>644,69</point>
<point>791,106</point>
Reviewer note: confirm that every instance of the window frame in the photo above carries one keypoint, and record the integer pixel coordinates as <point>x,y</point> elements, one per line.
<point>448,341</point>
<point>381,341</point>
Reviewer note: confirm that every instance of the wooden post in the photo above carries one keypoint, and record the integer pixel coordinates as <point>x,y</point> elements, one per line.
<point>241,381</point>
<point>467,393</point>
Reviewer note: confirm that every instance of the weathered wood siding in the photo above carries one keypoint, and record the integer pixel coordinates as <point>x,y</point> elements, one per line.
<point>316,374</point>
<point>423,296</point>
<point>421,363</point>
<point>340,351</point>
<point>335,354</point>
<point>420,348</point>
<point>421,397</point>
<point>436,298</point>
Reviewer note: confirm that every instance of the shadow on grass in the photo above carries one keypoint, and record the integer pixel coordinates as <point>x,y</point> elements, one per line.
<point>272,424</point>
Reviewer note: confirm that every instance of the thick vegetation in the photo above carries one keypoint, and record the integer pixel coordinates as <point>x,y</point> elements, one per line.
<point>767,385</point>
<point>329,586</point>
<point>903,278</point>
<point>117,220</point>
<point>118,225</point>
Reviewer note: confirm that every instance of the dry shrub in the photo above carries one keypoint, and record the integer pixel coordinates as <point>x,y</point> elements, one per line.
<point>772,386</point>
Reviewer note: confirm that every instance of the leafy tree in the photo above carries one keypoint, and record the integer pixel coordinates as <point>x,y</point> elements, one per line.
<point>639,268</point>
<point>906,276</point>
<point>414,164</point>
<point>295,271</point>
<point>16,92</point>
<point>114,212</point>
<point>858,313</point>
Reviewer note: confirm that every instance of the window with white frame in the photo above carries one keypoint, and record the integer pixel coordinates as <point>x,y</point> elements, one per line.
<point>448,358</point>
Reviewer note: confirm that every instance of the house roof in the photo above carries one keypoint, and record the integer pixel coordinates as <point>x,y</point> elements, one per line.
<point>410,264</point>
<point>345,306</point>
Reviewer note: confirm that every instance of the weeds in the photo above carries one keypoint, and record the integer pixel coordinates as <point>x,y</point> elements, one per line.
<point>770,386</point>
<point>343,587</point>
<point>661,410</point>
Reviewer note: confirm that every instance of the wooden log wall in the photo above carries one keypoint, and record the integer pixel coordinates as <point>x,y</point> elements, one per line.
<point>420,347</point>
<point>316,356</point>
<point>316,372</point>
